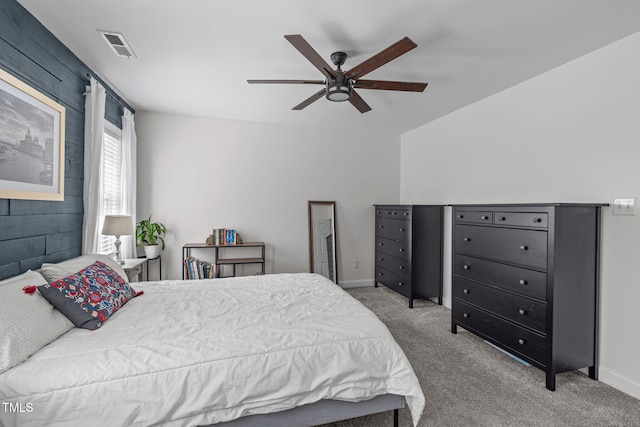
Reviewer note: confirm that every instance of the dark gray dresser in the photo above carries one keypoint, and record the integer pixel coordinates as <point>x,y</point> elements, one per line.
<point>526,278</point>
<point>409,250</point>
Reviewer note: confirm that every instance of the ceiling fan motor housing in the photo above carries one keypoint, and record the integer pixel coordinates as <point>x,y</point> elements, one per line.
<point>339,89</point>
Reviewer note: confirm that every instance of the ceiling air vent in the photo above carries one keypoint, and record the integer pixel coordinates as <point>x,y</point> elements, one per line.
<point>118,44</point>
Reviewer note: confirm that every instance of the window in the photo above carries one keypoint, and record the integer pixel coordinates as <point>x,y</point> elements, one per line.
<point>111,171</point>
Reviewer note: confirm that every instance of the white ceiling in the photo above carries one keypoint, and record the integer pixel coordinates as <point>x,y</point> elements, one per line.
<point>194,56</point>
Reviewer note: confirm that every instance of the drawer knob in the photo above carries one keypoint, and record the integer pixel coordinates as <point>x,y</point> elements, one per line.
<point>381,226</point>
<point>401,249</point>
<point>380,274</point>
<point>485,217</point>
<point>401,267</point>
<point>466,291</point>
<point>466,267</point>
<point>388,213</point>
<point>402,229</point>
<point>406,213</point>
<point>400,283</point>
<point>395,213</point>
<point>522,341</point>
<point>537,219</point>
<point>467,239</point>
<point>523,282</point>
<point>466,315</point>
<point>380,259</point>
<point>380,244</point>
<point>460,216</point>
<point>524,247</point>
<point>502,218</point>
<point>522,312</point>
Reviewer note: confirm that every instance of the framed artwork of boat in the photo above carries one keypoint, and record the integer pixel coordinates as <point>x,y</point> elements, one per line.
<point>31,142</point>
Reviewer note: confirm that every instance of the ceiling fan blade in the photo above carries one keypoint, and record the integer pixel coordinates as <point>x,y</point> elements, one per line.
<point>313,98</point>
<point>302,82</point>
<point>376,61</point>
<point>388,85</point>
<point>357,101</point>
<point>310,53</point>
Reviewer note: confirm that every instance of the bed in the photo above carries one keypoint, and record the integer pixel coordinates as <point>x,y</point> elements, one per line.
<point>276,349</point>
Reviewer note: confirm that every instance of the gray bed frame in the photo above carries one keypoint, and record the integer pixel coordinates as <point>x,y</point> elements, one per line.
<point>322,412</point>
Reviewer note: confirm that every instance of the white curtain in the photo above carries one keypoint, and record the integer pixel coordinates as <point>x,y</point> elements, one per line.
<point>94,106</point>
<point>128,179</point>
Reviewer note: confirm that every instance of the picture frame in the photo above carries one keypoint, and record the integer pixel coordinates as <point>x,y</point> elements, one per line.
<point>32,131</point>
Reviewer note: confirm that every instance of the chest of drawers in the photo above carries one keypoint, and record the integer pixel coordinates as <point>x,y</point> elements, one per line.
<point>408,250</point>
<point>526,278</point>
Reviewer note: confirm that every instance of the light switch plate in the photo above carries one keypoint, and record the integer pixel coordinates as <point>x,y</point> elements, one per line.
<point>626,206</point>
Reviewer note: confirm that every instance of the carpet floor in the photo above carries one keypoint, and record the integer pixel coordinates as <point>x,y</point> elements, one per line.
<point>466,382</point>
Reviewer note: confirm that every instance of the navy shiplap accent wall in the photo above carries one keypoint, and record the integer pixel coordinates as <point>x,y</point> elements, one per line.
<point>33,232</point>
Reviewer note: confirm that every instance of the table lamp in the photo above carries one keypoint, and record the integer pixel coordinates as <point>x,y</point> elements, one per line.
<point>117,225</point>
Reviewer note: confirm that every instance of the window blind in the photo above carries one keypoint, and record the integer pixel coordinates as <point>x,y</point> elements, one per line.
<point>112,201</point>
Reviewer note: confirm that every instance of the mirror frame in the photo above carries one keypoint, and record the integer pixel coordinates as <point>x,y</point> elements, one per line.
<point>334,255</point>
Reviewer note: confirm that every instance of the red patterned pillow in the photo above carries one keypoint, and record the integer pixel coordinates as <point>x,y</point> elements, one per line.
<point>89,297</point>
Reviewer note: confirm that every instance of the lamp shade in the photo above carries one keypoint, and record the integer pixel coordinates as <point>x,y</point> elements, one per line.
<point>117,225</point>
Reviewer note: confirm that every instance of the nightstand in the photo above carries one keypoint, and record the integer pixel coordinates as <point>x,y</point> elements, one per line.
<point>146,272</point>
<point>133,268</point>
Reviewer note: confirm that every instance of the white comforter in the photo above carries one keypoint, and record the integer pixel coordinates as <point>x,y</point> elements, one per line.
<point>207,351</point>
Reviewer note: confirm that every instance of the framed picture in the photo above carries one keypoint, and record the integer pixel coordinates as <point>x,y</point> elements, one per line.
<point>31,142</point>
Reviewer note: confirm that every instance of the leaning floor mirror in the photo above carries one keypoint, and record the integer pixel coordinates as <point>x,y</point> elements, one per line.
<point>322,239</point>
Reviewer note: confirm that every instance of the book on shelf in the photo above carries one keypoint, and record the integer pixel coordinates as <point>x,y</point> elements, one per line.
<point>225,236</point>
<point>231,237</point>
<point>197,269</point>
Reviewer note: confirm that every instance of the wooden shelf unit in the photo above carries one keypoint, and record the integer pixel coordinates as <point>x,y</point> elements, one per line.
<point>218,261</point>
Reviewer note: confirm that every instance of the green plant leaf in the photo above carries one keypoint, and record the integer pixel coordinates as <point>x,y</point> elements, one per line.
<point>149,233</point>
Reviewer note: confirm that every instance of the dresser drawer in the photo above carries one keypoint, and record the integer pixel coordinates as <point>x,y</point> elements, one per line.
<point>398,249</point>
<point>394,229</point>
<point>516,279</point>
<point>393,281</point>
<point>474,217</point>
<point>521,219</point>
<point>519,309</point>
<point>395,213</point>
<point>523,247</point>
<point>393,265</point>
<point>514,338</point>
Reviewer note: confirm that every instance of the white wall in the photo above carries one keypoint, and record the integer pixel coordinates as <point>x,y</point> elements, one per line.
<point>570,135</point>
<point>197,173</point>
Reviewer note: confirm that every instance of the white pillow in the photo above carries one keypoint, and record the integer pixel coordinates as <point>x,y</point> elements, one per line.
<point>27,321</point>
<point>53,272</point>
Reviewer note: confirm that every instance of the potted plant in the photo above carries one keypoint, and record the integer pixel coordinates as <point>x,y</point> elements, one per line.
<point>150,233</point>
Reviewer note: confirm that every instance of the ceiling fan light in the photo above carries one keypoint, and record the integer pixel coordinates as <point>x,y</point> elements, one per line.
<point>338,92</point>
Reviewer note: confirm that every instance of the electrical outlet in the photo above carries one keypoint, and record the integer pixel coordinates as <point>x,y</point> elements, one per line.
<point>356,263</point>
<point>624,206</point>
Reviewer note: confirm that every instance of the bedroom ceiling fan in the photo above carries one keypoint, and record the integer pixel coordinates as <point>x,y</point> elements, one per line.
<point>340,85</point>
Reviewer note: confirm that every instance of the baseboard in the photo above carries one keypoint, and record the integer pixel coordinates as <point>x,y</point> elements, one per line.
<point>356,283</point>
<point>447,302</point>
<point>624,385</point>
